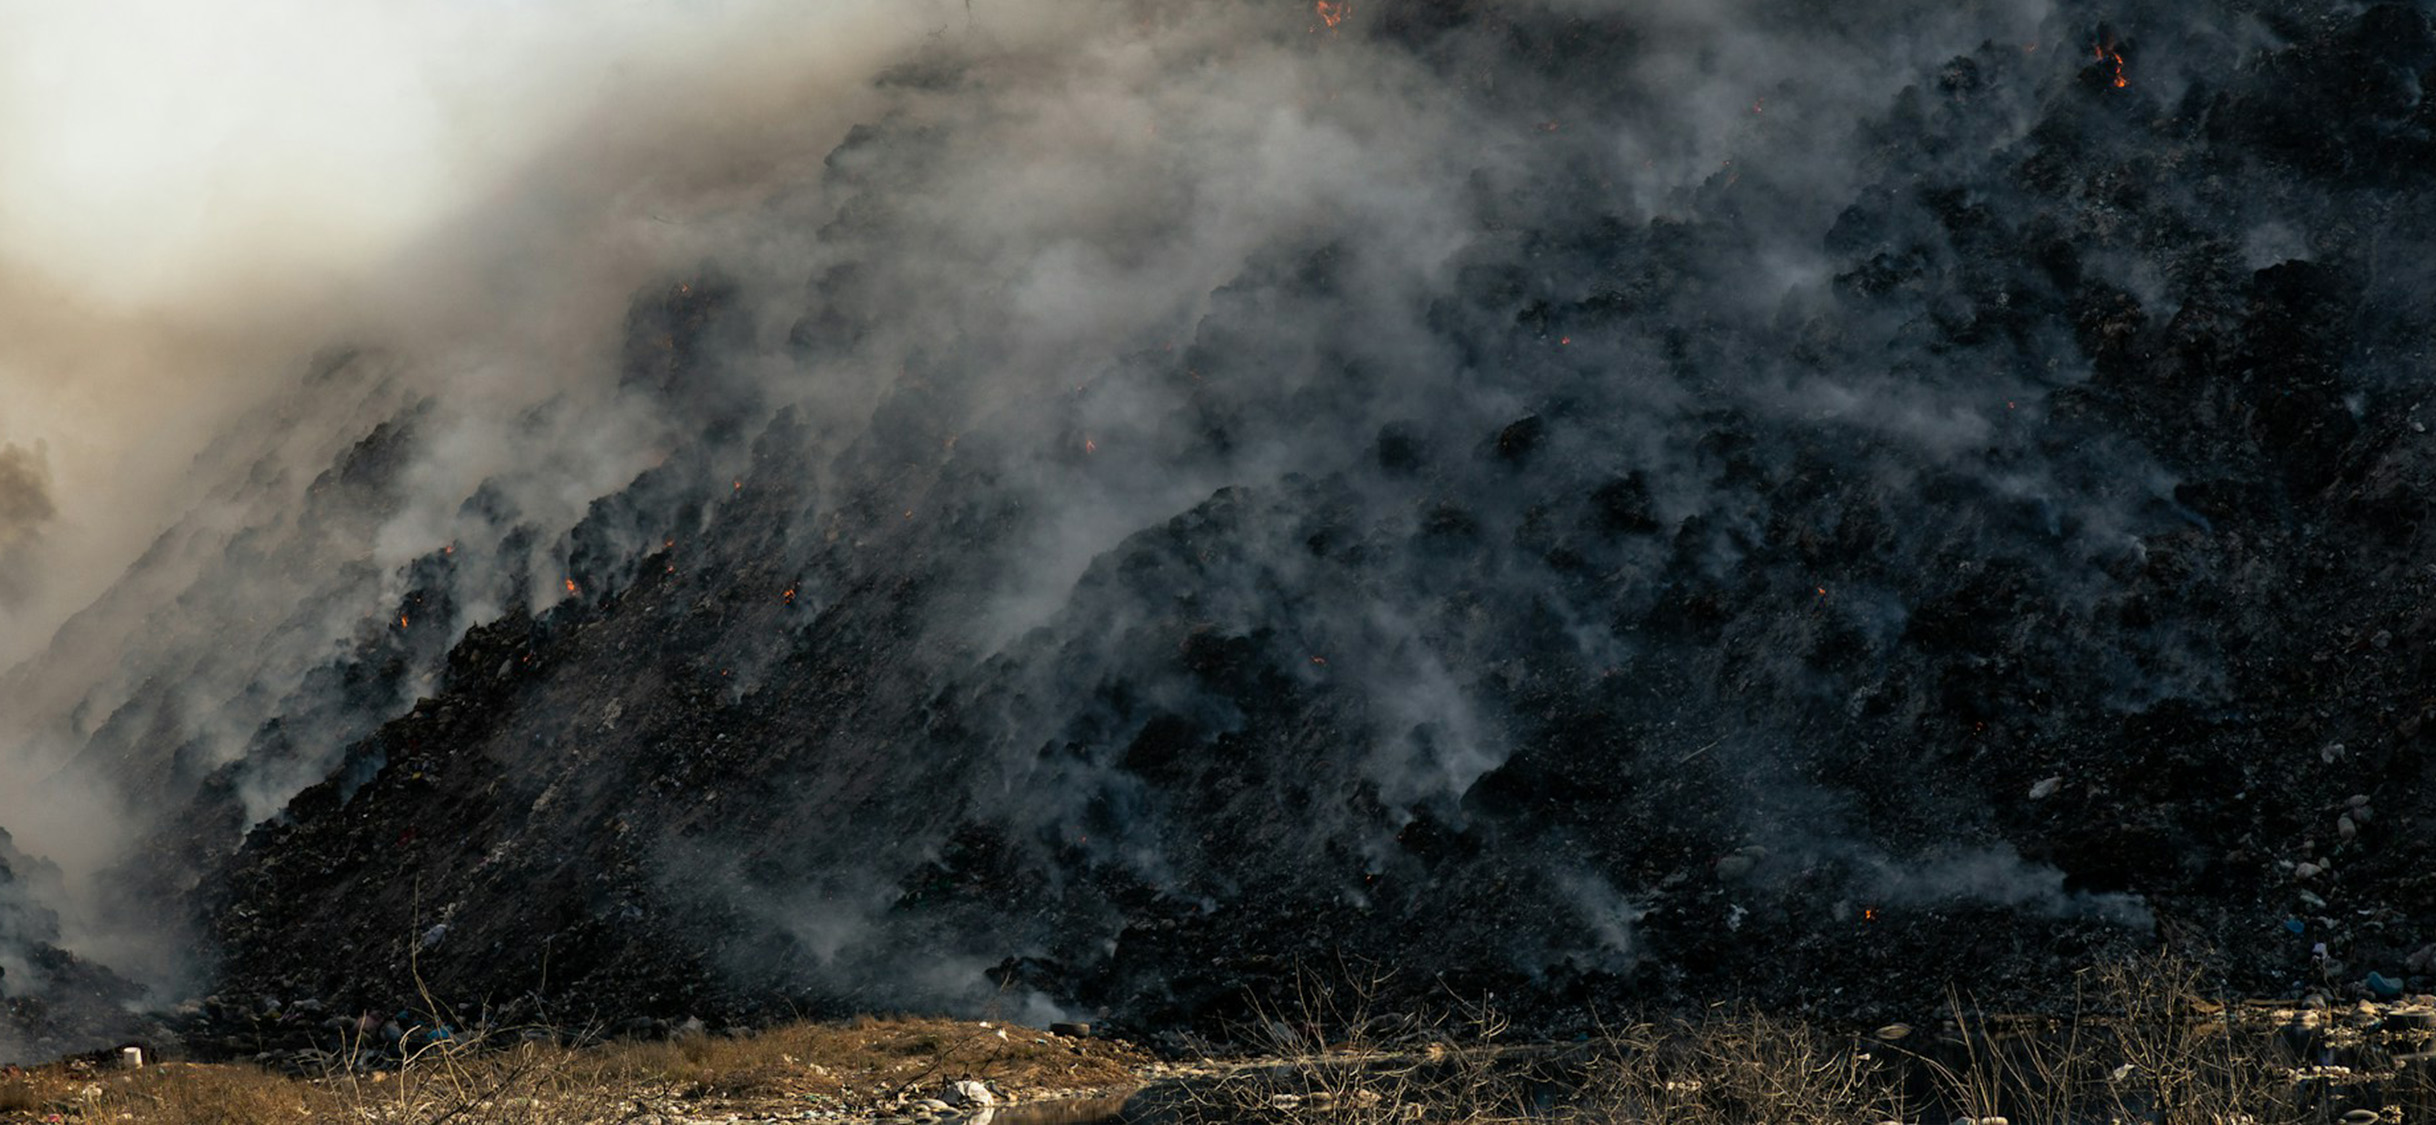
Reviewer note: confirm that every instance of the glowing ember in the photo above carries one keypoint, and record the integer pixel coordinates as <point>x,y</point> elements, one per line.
<point>1869,914</point>
<point>570,585</point>
<point>2113,57</point>
<point>787,595</point>
<point>402,623</point>
<point>1333,14</point>
<point>1090,446</point>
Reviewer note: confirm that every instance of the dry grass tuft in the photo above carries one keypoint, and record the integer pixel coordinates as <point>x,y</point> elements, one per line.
<point>183,1094</point>
<point>18,1095</point>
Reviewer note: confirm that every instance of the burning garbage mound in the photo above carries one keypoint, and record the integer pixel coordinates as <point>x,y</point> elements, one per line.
<point>1432,491</point>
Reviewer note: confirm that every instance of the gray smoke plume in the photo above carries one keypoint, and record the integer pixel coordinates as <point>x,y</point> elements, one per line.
<point>844,465</point>
<point>25,508</point>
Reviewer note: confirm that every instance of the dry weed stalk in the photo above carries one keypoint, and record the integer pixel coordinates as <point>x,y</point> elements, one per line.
<point>2144,1042</point>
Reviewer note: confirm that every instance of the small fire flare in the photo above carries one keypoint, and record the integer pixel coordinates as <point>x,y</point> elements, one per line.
<point>2110,55</point>
<point>1333,14</point>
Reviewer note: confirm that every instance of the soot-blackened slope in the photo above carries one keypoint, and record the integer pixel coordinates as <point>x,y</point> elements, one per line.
<point>2045,575</point>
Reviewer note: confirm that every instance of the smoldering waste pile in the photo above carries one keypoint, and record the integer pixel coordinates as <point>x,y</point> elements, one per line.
<point>1970,520</point>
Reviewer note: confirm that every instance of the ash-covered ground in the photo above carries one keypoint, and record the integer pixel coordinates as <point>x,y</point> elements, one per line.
<point>1609,505</point>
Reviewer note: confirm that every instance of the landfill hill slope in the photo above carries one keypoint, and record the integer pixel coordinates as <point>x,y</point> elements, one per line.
<point>2046,579</point>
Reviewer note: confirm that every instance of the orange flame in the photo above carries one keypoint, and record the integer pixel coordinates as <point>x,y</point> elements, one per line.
<point>788,595</point>
<point>402,621</point>
<point>570,585</point>
<point>2108,54</point>
<point>1333,14</point>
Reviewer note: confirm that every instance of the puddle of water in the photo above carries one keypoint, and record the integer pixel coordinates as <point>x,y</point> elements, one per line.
<point>1106,1109</point>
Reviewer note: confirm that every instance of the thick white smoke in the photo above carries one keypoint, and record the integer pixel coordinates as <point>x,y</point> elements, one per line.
<point>453,206</point>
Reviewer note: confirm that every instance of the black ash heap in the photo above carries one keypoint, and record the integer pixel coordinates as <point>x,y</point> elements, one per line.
<point>1606,504</point>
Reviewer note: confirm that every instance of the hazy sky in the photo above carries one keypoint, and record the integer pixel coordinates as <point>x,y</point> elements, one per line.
<point>148,137</point>
<point>196,196</point>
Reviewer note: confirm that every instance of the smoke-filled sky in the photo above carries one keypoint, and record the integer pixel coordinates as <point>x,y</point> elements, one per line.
<point>198,196</point>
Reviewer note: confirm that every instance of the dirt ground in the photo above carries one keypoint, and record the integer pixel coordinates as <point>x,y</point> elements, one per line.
<point>867,1069</point>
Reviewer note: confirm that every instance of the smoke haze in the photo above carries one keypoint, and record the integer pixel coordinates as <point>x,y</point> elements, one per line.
<point>960,495</point>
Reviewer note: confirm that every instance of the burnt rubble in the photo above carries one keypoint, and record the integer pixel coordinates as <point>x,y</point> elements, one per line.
<point>2049,581</point>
